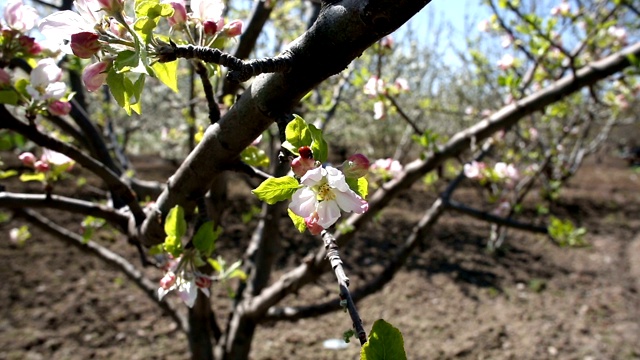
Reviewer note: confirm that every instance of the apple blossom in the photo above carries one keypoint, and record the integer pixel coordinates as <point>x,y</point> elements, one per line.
<point>210,27</point>
<point>474,170</point>
<point>61,25</point>
<point>60,108</point>
<point>95,75</point>
<point>619,33</point>
<point>179,16</point>
<point>387,42</point>
<point>168,280</point>
<point>506,62</point>
<point>19,16</point>
<point>402,84</point>
<point>311,222</point>
<point>45,81</point>
<point>389,166</point>
<point>5,78</point>
<point>563,9</point>
<point>208,10</point>
<point>300,165</point>
<point>484,26</point>
<point>57,159</point>
<point>112,7</point>
<point>378,110</point>
<point>27,158</point>
<point>41,166</point>
<point>325,192</point>
<point>29,45</point>
<point>506,171</point>
<point>374,86</point>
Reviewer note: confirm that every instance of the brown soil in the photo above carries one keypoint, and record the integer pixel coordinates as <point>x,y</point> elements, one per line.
<point>531,300</point>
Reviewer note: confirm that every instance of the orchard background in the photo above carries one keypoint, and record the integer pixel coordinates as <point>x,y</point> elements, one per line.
<point>470,179</point>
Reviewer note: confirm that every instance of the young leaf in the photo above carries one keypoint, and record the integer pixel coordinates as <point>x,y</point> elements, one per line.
<point>273,190</point>
<point>298,221</point>
<point>385,343</point>
<point>8,97</point>
<point>319,145</point>
<point>297,132</point>
<point>167,73</point>
<point>175,224</point>
<point>173,245</point>
<point>33,177</point>
<point>254,157</point>
<point>205,238</point>
<point>360,186</point>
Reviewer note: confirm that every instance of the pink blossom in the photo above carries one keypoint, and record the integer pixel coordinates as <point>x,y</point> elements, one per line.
<point>233,28</point>
<point>41,166</point>
<point>112,7</point>
<point>374,86</point>
<point>210,27</point>
<point>387,42</point>
<point>562,9</point>
<point>85,44</point>
<point>356,166</point>
<point>506,62</point>
<point>402,84</point>
<point>204,10</point>
<point>168,280</point>
<point>326,193</point>
<point>179,16</point>
<point>484,26</point>
<point>27,158</point>
<point>474,170</point>
<point>506,171</point>
<point>311,222</point>
<point>61,25</point>
<point>60,108</point>
<point>45,81</point>
<point>29,45</point>
<point>300,165</point>
<point>56,159</point>
<point>203,282</point>
<point>619,33</point>
<point>95,75</point>
<point>389,166</point>
<point>19,16</point>
<point>379,111</point>
<point>5,78</point>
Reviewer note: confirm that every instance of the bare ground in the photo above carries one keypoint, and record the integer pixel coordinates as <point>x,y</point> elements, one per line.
<point>453,300</point>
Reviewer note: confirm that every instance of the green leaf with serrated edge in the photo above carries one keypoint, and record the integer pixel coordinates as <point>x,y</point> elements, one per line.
<point>116,85</point>
<point>175,224</point>
<point>385,343</point>
<point>126,60</point>
<point>254,157</point>
<point>318,145</point>
<point>297,132</point>
<point>136,92</point>
<point>273,190</point>
<point>298,221</point>
<point>167,73</point>
<point>8,97</point>
<point>360,186</point>
<point>33,177</point>
<point>205,238</point>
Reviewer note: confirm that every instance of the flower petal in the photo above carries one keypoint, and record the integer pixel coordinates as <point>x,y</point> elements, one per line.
<point>61,25</point>
<point>336,180</point>
<point>313,176</point>
<point>303,202</point>
<point>349,201</point>
<point>188,292</point>
<point>328,213</point>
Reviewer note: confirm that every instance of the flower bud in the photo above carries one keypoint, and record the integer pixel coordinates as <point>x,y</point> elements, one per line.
<point>311,222</point>
<point>27,158</point>
<point>59,108</point>
<point>203,282</point>
<point>356,166</point>
<point>41,166</point>
<point>210,27</point>
<point>179,14</point>
<point>301,165</point>
<point>85,44</point>
<point>305,152</point>
<point>233,28</point>
<point>95,75</point>
<point>168,280</point>
<point>112,6</point>
<point>5,78</point>
<point>29,45</point>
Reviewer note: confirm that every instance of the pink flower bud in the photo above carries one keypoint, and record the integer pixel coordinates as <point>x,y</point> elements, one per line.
<point>85,44</point>
<point>59,108</point>
<point>112,6</point>
<point>168,280</point>
<point>356,166</point>
<point>29,45</point>
<point>5,78</point>
<point>311,222</point>
<point>203,282</point>
<point>387,42</point>
<point>27,158</point>
<point>402,84</point>
<point>301,165</point>
<point>210,27</point>
<point>41,166</point>
<point>95,75</point>
<point>233,28</point>
<point>179,14</point>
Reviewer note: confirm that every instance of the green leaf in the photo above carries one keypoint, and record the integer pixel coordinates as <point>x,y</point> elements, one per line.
<point>175,224</point>
<point>126,60</point>
<point>8,97</point>
<point>167,73</point>
<point>173,245</point>
<point>237,273</point>
<point>319,145</point>
<point>297,133</point>
<point>273,190</point>
<point>205,238</point>
<point>7,174</point>
<point>360,186</point>
<point>385,343</point>
<point>33,177</point>
<point>298,221</point>
<point>216,265</point>
<point>254,157</point>
<point>123,90</point>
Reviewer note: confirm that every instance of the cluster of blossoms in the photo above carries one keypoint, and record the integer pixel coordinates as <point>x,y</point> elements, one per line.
<point>325,192</point>
<point>562,9</point>
<point>49,160</point>
<point>19,19</point>
<point>500,172</point>
<point>377,88</point>
<point>387,168</point>
<point>181,275</point>
<point>506,62</point>
<point>206,14</point>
